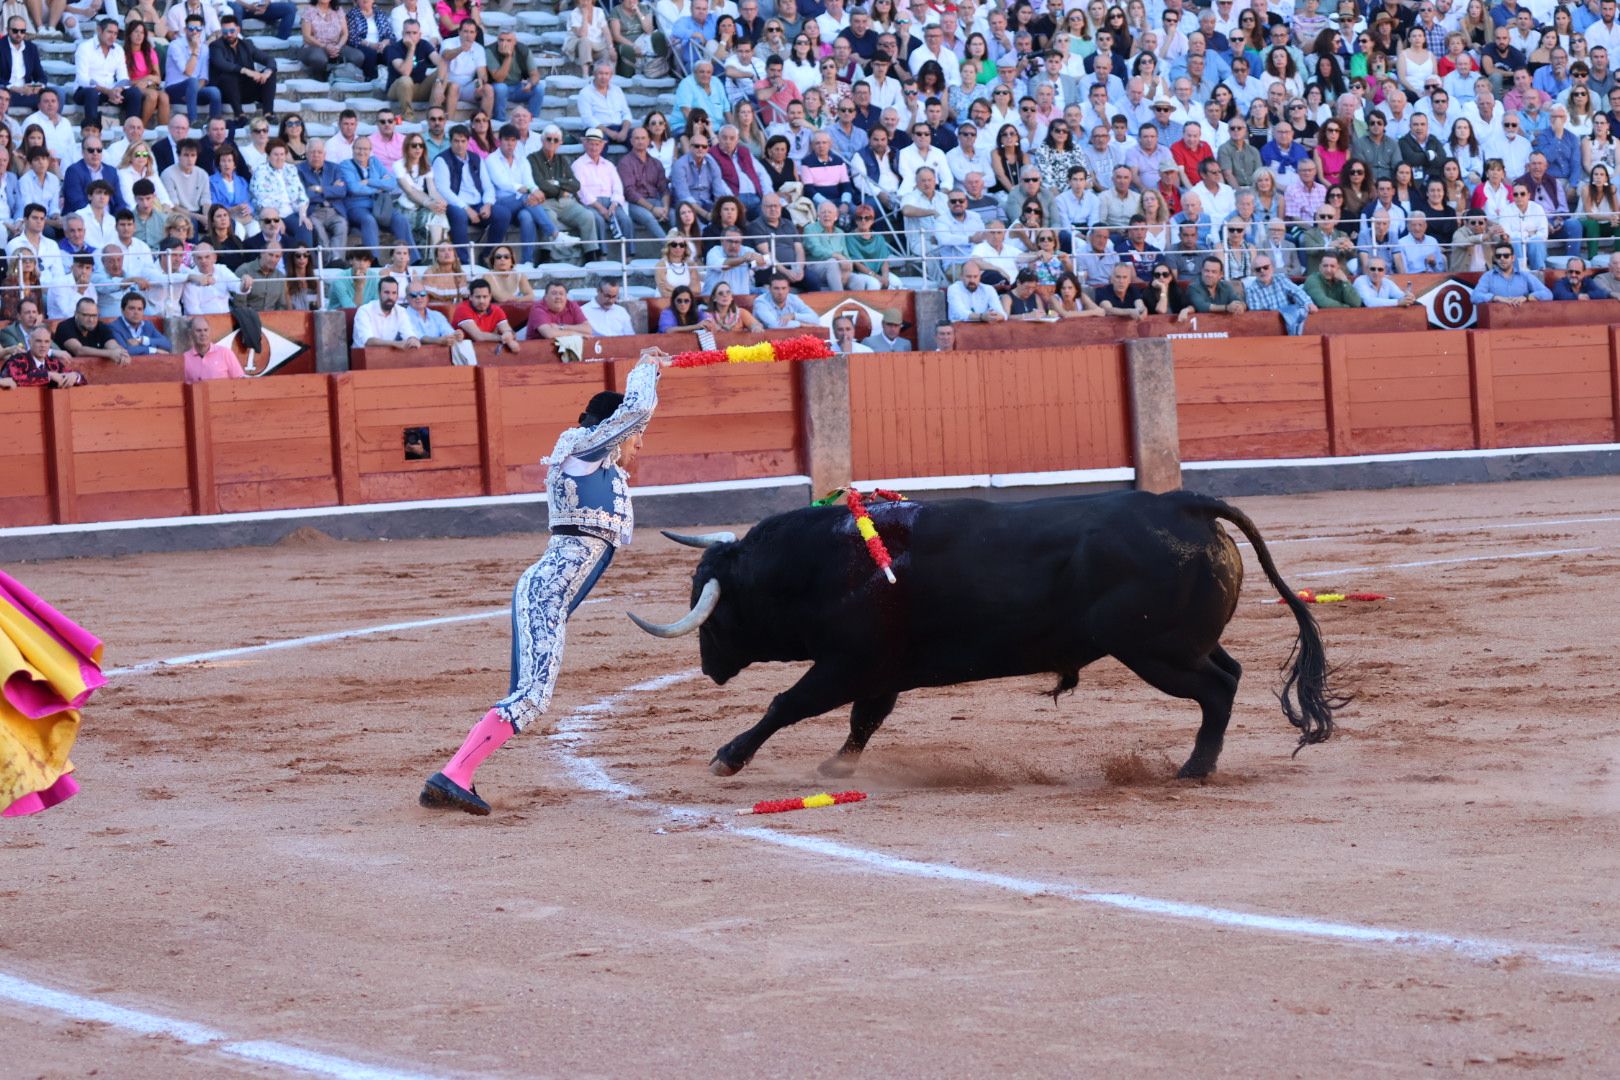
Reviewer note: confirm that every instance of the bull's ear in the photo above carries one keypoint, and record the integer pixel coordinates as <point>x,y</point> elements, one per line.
<point>701,540</point>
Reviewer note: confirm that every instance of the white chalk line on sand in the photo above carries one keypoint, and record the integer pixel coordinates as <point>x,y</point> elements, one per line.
<point>139,1022</point>
<point>316,639</point>
<point>575,731</point>
<point>1440,530</point>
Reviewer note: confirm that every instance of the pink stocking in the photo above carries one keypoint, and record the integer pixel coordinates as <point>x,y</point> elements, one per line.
<point>483,740</point>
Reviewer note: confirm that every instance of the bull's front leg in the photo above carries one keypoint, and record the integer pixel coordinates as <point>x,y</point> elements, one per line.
<point>864,719</point>
<point>820,690</point>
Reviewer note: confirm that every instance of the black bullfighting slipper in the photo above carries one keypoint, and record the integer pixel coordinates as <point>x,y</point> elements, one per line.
<point>440,790</point>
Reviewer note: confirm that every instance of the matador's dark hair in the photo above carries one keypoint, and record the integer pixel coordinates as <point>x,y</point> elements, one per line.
<point>600,407</point>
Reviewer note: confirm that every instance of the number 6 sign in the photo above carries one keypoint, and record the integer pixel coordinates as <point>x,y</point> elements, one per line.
<point>1450,305</point>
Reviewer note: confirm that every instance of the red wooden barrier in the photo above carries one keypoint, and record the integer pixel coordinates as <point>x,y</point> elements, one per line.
<point>948,414</point>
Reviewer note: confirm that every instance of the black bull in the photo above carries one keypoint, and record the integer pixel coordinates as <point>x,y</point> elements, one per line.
<point>987,591</point>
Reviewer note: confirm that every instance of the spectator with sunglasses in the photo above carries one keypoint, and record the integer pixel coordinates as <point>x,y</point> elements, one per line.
<point>1505,283</point>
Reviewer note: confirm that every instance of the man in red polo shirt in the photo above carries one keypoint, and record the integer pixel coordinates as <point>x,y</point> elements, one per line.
<point>557,315</point>
<point>1190,151</point>
<point>481,319</point>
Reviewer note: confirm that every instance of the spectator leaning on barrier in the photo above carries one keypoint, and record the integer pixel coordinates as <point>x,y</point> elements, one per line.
<point>39,366</point>
<point>1211,291</point>
<point>1506,283</point>
<point>779,308</point>
<point>1269,291</point>
<point>1573,284</point>
<point>1377,290</point>
<point>132,330</point>
<point>603,312</point>
<point>381,324</point>
<point>480,319</point>
<point>556,316</point>
<point>206,360</point>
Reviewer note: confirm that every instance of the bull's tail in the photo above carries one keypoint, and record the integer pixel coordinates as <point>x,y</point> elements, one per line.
<point>1306,698</point>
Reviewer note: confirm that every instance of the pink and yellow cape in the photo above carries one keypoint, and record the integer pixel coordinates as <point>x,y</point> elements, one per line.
<point>49,667</point>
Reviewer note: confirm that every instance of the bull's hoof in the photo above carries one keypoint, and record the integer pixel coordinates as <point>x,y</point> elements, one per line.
<point>839,766</point>
<point>1194,771</point>
<point>721,768</point>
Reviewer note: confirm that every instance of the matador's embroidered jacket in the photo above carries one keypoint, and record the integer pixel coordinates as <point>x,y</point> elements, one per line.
<point>585,486</point>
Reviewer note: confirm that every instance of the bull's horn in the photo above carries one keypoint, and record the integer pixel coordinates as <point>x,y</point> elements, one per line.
<point>702,540</point>
<point>708,600</point>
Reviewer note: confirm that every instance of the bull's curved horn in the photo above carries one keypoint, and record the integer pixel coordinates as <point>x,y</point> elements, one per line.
<point>708,600</point>
<point>702,540</point>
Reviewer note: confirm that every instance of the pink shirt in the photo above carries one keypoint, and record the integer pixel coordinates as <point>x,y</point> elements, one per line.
<point>389,151</point>
<point>219,363</point>
<point>598,180</point>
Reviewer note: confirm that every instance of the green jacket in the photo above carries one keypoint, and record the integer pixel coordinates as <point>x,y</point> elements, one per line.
<point>554,178</point>
<point>1331,294</point>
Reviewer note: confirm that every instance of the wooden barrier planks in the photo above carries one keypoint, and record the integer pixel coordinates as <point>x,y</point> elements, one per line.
<point>1251,398</point>
<point>726,422</point>
<point>25,461</point>
<point>445,401</point>
<point>1552,388</point>
<point>964,413</point>
<point>1411,392</point>
<point>271,443</point>
<point>129,451</point>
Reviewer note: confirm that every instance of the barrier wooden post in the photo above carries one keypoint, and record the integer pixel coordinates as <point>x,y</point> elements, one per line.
<point>491,431</point>
<point>1614,378</point>
<point>824,416</point>
<point>59,452</point>
<point>200,450</point>
<point>1336,385</point>
<point>345,441</point>
<point>1482,379</point>
<point>1150,377</point>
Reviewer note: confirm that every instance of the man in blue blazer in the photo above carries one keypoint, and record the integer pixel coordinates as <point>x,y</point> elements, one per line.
<point>19,49</point>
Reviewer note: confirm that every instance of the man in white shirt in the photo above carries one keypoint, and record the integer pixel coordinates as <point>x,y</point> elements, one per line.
<point>465,71</point>
<point>603,105</point>
<point>422,12</point>
<point>34,239</point>
<point>100,72</point>
<point>603,312</point>
<point>971,300</point>
<point>64,295</point>
<point>61,138</point>
<point>844,337</point>
<point>833,21</point>
<point>886,92</point>
<point>381,324</point>
<point>134,133</point>
<point>1219,199</point>
<point>100,227</point>
<point>139,263</point>
<point>1377,290</point>
<point>210,286</point>
<point>921,154</point>
<point>516,198</point>
<point>1512,146</point>
<point>933,48</point>
<point>968,157</point>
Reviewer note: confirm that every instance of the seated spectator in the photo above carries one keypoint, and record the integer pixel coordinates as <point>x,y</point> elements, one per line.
<point>603,312</point>
<point>869,251</point>
<point>1325,237</point>
<point>779,309</point>
<point>84,336</point>
<point>480,319</point>
<point>1575,285</point>
<point>206,360</point>
<point>826,176</point>
<point>724,315</point>
<point>211,284</point>
<point>63,299</point>
<point>1213,291</point>
<point>886,337</point>
<point>358,286</point>
<point>381,324</point>
<point>677,268</point>
<point>39,366</point>
<point>1023,301</point>
<point>14,338</point>
<point>464,71</point>
<point>683,312</point>
<point>425,324</point>
<point>556,316</point>
<point>1506,283</point>
<point>844,337</point>
<point>133,331</point>
<point>696,178</point>
<point>1069,300</point>
<point>269,289</point>
<point>730,262</point>
<point>1377,290</point>
<point>1417,252</point>
<point>1095,265</point>
<point>1470,244</point>
<point>646,188</point>
<point>601,190</point>
<point>602,105</point>
<point>1330,286</point>
<point>1122,296</point>
<point>970,299</point>
<point>1165,296</point>
<point>1269,291</point>
<point>944,337</point>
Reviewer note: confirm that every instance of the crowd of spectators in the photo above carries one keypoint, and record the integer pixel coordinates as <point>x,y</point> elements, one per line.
<point>1033,158</point>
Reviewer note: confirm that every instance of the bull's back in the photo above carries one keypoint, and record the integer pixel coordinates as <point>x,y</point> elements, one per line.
<point>1013,588</point>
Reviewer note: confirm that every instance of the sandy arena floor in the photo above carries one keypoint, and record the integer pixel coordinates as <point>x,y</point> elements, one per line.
<point>248,853</point>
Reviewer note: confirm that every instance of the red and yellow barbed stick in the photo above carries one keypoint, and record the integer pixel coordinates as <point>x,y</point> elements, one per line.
<point>1333,598</point>
<point>809,802</point>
